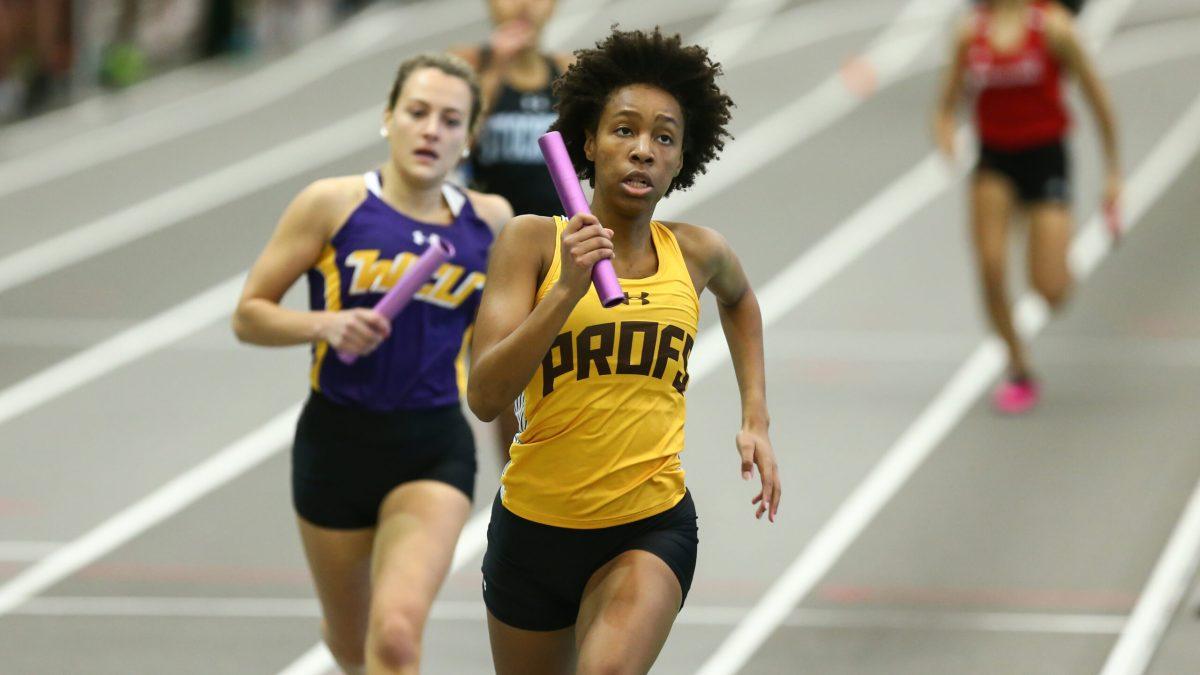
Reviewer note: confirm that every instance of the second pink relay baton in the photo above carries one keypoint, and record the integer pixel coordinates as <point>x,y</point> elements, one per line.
<point>566,183</point>
<point>398,296</point>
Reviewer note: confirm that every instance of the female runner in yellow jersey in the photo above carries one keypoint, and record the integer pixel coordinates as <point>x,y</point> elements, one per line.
<point>592,542</point>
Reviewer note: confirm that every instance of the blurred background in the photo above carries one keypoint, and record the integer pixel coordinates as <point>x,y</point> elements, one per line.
<point>148,147</point>
<point>53,52</point>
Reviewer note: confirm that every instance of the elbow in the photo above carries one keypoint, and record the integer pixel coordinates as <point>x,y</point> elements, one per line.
<point>241,326</point>
<point>485,410</point>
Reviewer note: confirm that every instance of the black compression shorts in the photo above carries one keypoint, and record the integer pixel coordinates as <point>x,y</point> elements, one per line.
<point>346,460</point>
<point>1039,175</point>
<point>534,574</point>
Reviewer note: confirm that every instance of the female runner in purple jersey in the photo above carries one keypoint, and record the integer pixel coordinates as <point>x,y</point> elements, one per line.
<point>383,466</point>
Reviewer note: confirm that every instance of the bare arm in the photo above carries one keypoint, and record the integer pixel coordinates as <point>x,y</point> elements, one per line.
<point>295,247</point>
<point>741,320</point>
<point>1065,41</point>
<point>512,335</point>
<point>951,93</point>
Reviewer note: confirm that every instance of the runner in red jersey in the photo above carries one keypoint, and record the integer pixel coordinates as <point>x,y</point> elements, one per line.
<point>1012,56</point>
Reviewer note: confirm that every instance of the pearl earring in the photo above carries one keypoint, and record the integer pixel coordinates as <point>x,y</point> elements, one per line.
<point>383,132</point>
<point>466,153</point>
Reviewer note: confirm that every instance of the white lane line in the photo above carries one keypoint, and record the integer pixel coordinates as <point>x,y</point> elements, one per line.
<point>281,433</point>
<point>171,607</point>
<point>783,129</point>
<point>237,180</point>
<point>232,461</point>
<point>470,544</point>
<point>815,22</point>
<point>935,422</point>
<point>692,615</point>
<point>739,22</point>
<point>1161,596</point>
<point>273,82</point>
<point>885,60</point>
<point>271,167</point>
<point>890,346</point>
<point>26,551</point>
<point>176,205</point>
<point>125,347</point>
<point>992,622</point>
<point>1168,582</point>
<point>890,207</point>
<point>1155,43</point>
<point>317,659</point>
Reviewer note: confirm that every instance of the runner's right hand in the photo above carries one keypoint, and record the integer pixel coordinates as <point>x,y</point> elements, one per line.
<point>511,38</point>
<point>585,242</point>
<point>355,331</point>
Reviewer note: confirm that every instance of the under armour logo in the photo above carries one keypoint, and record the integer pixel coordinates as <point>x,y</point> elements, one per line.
<point>642,298</point>
<point>420,238</point>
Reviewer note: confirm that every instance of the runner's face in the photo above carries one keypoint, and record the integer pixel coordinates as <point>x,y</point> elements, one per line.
<point>637,147</point>
<point>535,12</point>
<point>427,128</point>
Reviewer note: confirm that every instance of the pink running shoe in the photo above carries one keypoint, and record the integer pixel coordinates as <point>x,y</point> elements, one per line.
<point>1014,397</point>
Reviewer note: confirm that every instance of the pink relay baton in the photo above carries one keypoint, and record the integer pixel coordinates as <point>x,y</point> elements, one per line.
<point>398,296</point>
<point>566,183</point>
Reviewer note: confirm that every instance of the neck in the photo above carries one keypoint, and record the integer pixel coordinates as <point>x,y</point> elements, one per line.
<point>527,61</point>
<point>631,233</point>
<point>423,202</point>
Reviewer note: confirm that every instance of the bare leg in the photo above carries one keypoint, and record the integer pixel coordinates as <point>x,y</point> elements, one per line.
<point>419,524</point>
<point>1049,240</point>
<point>340,561</point>
<point>528,652</point>
<point>992,201</point>
<point>627,611</point>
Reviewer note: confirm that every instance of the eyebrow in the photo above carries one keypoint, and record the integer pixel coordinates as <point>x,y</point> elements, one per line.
<point>417,99</point>
<point>631,112</point>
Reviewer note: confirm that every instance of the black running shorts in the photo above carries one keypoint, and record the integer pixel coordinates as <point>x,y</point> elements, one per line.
<point>534,574</point>
<point>1039,175</point>
<point>346,460</point>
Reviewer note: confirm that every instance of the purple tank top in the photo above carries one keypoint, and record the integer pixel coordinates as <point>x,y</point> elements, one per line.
<point>420,364</point>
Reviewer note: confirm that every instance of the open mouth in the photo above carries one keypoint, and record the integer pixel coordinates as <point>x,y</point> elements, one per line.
<point>637,184</point>
<point>426,153</point>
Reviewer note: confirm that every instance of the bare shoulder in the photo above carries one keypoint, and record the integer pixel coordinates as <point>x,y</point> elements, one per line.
<point>702,246</point>
<point>1060,26</point>
<point>493,209</point>
<point>328,202</point>
<point>524,246</point>
<point>964,30</point>
<point>530,231</point>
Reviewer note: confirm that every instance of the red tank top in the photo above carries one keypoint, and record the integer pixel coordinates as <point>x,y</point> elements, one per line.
<point>1019,100</point>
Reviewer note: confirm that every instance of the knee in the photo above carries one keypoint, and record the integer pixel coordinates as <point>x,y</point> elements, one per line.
<point>610,663</point>
<point>1054,293</point>
<point>395,638</point>
<point>349,652</point>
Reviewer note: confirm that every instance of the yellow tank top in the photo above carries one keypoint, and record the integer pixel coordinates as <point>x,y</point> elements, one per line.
<point>602,419</point>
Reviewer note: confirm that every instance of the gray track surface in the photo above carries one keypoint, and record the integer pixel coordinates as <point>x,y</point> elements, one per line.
<point>1059,514</point>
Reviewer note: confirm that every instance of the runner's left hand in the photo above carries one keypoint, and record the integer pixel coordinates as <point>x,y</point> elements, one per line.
<point>755,449</point>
